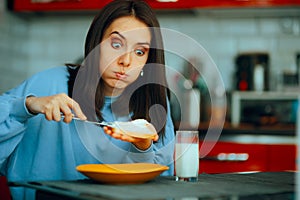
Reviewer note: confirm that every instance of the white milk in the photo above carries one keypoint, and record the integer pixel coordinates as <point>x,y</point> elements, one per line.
<point>187,160</point>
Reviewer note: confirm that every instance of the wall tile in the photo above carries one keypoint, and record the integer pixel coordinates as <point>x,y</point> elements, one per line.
<point>13,57</point>
<point>269,26</point>
<point>237,27</point>
<point>289,43</point>
<point>254,43</point>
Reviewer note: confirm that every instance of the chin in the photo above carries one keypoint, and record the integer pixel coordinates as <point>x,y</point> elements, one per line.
<point>119,87</point>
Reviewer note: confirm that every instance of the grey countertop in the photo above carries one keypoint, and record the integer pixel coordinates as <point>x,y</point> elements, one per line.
<point>267,185</point>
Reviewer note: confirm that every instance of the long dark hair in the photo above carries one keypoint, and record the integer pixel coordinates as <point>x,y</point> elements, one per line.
<point>140,99</point>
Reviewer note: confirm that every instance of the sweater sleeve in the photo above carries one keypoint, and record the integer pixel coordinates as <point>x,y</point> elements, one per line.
<point>13,112</point>
<point>13,116</point>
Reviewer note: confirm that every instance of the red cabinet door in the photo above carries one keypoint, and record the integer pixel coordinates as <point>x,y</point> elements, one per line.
<point>248,3</point>
<point>228,157</point>
<point>282,157</point>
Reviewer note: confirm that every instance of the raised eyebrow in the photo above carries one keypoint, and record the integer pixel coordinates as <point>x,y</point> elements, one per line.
<point>123,37</point>
<point>116,32</point>
<point>144,43</point>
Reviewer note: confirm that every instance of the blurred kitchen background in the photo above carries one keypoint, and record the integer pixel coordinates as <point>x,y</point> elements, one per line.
<point>254,44</point>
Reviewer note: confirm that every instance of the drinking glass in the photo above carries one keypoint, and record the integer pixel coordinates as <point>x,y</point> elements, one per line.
<point>187,155</point>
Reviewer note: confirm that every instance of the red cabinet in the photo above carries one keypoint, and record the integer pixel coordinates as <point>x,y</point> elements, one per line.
<point>58,5</point>
<point>221,3</point>
<point>228,157</point>
<point>281,157</point>
<point>89,5</point>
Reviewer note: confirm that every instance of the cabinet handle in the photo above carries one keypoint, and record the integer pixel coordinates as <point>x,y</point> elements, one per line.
<point>228,157</point>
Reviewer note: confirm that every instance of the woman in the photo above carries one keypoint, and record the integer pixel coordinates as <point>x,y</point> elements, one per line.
<point>121,79</point>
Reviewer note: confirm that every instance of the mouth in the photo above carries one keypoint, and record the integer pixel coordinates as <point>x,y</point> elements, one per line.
<point>121,75</point>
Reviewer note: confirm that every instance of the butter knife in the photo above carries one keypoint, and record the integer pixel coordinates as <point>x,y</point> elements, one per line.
<point>103,123</point>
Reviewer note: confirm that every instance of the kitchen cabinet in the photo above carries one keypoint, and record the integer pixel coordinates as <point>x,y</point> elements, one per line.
<point>90,5</point>
<point>281,157</point>
<point>227,157</point>
<point>56,5</point>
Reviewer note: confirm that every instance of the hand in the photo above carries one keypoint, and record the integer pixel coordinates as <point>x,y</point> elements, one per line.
<point>53,106</point>
<point>140,143</point>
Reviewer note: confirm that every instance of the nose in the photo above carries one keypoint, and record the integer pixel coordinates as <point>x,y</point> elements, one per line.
<point>125,59</point>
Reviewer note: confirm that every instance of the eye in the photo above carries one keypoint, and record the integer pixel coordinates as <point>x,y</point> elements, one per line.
<point>116,44</point>
<point>139,52</point>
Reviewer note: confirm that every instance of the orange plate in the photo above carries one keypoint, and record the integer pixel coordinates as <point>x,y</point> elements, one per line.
<point>130,173</point>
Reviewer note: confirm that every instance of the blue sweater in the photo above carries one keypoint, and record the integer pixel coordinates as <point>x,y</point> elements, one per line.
<point>33,148</point>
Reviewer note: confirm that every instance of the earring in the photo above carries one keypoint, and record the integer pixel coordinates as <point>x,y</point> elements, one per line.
<point>142,72</point>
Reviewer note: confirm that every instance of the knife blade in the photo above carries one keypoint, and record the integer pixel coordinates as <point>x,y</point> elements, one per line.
<point>103,123</point>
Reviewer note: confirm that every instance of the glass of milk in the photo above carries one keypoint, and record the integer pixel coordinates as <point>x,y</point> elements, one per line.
<point>187,155</point>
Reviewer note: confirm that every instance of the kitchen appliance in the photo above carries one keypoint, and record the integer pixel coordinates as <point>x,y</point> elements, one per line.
<point>290,79</point>
<point>252,71</point>
<point>264,108</point>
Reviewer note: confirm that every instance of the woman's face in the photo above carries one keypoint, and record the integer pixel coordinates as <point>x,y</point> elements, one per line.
<point>124,52</point>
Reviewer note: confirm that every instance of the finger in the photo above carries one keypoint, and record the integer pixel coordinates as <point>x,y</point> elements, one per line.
<point>127,138</point>
<point>77,110</point>
<point>156,137</point>
<point>116,135</point>
<point>56,115</point>
<point>107,130</point>
<point>48,114</point>
<point>68,115</point>
<point>117,131</point>
<point>50,107</point>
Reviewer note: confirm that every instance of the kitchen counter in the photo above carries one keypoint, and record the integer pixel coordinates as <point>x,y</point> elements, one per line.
<point>276,185</point>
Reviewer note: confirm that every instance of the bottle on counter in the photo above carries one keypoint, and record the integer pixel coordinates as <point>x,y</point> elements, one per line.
<point>259,78</point>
